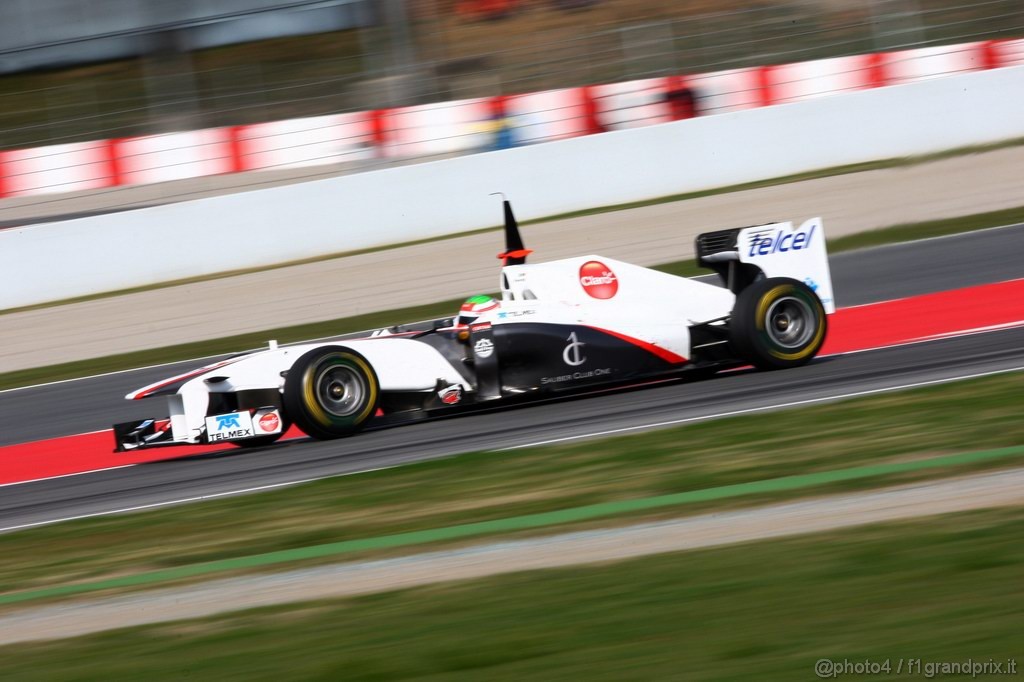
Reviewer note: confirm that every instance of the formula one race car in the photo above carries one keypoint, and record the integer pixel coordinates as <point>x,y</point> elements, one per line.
<point>561,326</point>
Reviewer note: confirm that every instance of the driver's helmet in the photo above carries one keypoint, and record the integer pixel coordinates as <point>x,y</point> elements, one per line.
<point>473,308</point>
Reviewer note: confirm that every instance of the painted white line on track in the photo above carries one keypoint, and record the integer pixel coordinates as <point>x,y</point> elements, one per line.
<point>720,415</point>
<point>119,466</point>
<point>973,331</point>
<point>764,408</point>
<point>186,500</point>
<point>76,473</point>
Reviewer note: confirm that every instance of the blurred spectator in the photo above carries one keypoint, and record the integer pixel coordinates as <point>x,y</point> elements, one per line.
<point>682,103</point>
<point>500,9</point>
<point>498,128</point>
<point>503,136</point>
<point>573,4</point>
<point>486,9</point>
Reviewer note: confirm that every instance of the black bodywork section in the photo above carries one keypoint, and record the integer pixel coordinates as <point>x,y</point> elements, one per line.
<point>554,356</point>
<point>141,434</point>
<point>504,360</point>
<point>718,251</point>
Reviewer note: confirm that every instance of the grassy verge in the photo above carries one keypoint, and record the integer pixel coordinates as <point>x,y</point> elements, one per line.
<point>487,486</point>
<point>686,268</point>
<point>943,589</point>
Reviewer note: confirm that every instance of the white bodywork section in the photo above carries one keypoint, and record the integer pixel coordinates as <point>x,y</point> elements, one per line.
<point>401,365</point>
<point>652,306</point>
<point>643,304</point>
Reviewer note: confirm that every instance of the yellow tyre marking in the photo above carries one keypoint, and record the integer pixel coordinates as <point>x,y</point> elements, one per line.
<point>309,392</point>
<point>762,311</point>
<point>309,396</point>
<point>766,300</point>
<point>371,386</point>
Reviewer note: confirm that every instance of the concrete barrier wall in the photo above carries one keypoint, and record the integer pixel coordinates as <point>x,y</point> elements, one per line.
<point>115,251</point>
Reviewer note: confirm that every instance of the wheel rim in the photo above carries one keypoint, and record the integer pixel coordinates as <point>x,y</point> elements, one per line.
<point>790,322</point>
<point>340,390</point>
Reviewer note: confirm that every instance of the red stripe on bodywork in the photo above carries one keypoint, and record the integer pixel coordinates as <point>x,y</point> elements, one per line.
<point>147,391</point>
<point>663,353</point>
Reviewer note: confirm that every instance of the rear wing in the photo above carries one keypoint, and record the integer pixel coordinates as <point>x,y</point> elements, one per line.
<point>776,250</point>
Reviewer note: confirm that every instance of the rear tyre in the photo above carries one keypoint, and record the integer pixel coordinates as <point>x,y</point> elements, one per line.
<point>331,392</point>
<point>777,323</point>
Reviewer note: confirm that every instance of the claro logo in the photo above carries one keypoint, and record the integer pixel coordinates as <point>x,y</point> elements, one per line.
<point>598,280</point>
<point>270,422</point>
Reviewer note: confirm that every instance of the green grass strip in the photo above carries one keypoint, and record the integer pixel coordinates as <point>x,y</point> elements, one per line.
<point>516,523</point>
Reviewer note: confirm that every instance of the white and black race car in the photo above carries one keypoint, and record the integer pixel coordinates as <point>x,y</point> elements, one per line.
<point>566,325</point>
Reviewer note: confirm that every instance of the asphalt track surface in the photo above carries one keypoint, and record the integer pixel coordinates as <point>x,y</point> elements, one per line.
<point>859,277</point>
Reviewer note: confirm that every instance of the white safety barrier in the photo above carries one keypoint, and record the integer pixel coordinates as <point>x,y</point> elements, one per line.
<point>115,251</point>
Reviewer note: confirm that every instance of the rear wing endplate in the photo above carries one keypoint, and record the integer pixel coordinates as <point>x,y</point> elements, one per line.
<point>777,250</point>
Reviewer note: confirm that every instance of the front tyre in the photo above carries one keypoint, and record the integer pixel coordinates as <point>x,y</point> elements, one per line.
<point>777,323</point>
<point>331,392</point>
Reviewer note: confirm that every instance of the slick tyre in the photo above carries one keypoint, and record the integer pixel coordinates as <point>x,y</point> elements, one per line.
<point>331,392</point>
<point>777,323</point>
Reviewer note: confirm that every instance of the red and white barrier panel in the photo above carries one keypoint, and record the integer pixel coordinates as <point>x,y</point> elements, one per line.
<point>435,129</point>
<point>57,168</point>
<point>632,104</point>
<point>175,156</point>
<point>907,66</point>
<point>463,126</point>
<point>805,80</point>
<point>550,115</point>
<point>299,142</point>
<point>1005,53</point>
